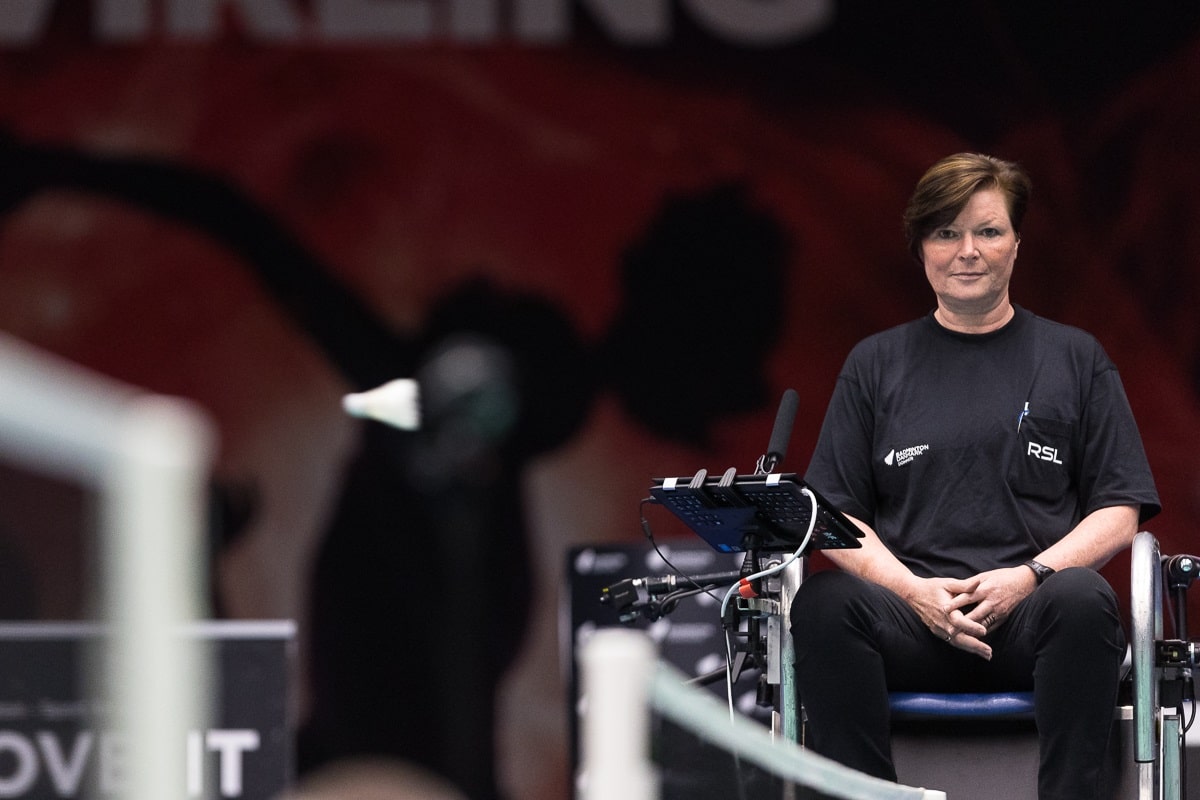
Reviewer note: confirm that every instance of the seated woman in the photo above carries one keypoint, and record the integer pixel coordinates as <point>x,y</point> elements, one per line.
<point>991,458</point>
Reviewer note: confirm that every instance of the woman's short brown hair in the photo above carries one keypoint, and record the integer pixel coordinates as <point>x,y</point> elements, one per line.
<point>945,188</point>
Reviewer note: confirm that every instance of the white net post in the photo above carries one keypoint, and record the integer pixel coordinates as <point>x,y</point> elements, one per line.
<point>616,667</point>
<point>148,457</point>
<point>152,550</point>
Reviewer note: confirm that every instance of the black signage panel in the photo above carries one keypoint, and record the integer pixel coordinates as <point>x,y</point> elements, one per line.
<point>55,743</point>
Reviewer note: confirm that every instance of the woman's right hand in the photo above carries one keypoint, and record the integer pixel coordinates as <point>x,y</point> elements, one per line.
<point>940,602</point>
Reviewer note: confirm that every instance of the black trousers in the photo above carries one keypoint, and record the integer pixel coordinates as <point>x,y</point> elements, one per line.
<point>856,641</point>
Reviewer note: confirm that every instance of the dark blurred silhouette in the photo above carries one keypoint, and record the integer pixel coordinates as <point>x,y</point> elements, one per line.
<point>421,585</point>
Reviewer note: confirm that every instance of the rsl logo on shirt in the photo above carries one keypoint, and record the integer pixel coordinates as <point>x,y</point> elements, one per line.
<point>1044,452</point>
<point>898,458</point>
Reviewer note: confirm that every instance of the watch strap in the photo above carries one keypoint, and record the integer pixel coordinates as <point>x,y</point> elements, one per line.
<point>1040,571</point>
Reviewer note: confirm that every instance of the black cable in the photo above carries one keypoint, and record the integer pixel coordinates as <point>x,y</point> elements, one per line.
<point>1183,747</point>
<point>650,538</point>
<point>679,595</point>
<point>669,601</point>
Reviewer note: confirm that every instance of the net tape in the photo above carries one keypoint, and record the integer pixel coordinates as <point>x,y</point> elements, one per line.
<point>704,715</point>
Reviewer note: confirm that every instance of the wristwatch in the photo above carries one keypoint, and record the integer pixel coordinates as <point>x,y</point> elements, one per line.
<point>1041,571</point>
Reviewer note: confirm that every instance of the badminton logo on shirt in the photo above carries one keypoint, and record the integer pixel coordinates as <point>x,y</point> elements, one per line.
<point>899,458</point>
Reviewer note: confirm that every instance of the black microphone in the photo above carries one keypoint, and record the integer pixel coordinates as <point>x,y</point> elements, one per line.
<point>781,434</point>
<point>623,590</point>
<point>666,583</point>
<point>634,596</point>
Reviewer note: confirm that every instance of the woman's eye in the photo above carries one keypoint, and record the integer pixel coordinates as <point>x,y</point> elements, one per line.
<point>945,233</point>
<point>990,233</point>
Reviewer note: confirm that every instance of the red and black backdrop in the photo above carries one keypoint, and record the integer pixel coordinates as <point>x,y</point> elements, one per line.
<point>647,219</point>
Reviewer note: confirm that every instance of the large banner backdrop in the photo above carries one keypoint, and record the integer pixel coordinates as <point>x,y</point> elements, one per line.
<point>635,222</point>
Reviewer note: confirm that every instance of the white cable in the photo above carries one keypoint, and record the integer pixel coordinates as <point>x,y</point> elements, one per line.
<point>812,524</point>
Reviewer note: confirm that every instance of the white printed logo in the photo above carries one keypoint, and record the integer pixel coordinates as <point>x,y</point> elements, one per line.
<point>1044,452</point>
<point>901,457</point>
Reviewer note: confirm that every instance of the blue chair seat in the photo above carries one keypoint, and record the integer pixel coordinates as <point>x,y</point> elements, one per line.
<point>962,705</point>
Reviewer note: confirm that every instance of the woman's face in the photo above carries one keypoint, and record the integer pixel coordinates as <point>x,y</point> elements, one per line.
<point>969,261</point>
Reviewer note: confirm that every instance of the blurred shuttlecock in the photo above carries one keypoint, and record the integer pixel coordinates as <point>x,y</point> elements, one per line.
<point>396,403</point>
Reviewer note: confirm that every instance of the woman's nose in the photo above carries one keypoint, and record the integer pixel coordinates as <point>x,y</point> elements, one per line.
<point>967,248</point>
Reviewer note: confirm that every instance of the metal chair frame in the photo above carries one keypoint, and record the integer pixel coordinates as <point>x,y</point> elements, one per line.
<point>1159,746</point>
<point>1157,664</point>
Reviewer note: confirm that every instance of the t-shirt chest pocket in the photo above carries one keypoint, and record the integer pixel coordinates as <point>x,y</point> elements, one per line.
<point>1042,462</point>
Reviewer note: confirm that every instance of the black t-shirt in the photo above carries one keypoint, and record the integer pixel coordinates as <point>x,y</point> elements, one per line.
<point>968,452</point>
